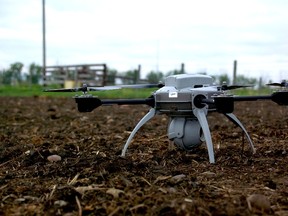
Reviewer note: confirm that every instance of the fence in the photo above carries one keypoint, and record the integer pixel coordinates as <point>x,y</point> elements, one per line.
<point>92,74</point>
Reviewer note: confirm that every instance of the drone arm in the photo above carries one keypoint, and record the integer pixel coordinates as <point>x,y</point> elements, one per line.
<point>88,104</point>
<point>280,97</point>
<point>148,101</point>
<point>225,103</point>
<point>145,119</point>
<point>201,116</point>
<point>237,122</point>
<point>252,98</point>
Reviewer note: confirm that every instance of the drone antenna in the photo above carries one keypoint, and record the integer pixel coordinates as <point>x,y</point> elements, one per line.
<point>224,87</point>
<point>84,88</point>
<point>284,83</point>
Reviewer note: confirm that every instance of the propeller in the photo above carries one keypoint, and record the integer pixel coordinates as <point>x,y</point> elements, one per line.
<point>282,84</point>
<point>225,87</point>
<point>135,86</point>
<point>85,88</point>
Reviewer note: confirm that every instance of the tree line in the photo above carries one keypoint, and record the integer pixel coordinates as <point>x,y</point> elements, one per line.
<point>14,75</point>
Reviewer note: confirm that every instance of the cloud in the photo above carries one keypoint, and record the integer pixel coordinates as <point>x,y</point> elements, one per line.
<point>160,34</point>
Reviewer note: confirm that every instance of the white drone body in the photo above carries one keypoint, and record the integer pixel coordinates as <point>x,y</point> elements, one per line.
<point>180,99</point>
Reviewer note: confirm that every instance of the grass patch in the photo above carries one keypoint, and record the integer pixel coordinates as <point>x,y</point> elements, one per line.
<point>20,90</point>
<point>252,92</point>
<point>37,90</point>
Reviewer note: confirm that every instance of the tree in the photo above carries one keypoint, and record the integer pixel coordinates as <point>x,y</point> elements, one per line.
<point>223,78</point>
<point>174,72</point>
<point>16,69</point>
<point>6,77</point>
<point>35,72</point>
<point>132,77</point>
<point>154,77</point>
<point>111,76</point>
<point>241,79</point>
<point>13,74</point>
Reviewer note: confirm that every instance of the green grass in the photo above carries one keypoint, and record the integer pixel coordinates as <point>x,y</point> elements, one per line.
<point>37,90</point>
<point>250,92</point>
<point>20,90</point>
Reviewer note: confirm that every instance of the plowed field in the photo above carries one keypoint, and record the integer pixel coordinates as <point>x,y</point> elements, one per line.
<point>154,178</point>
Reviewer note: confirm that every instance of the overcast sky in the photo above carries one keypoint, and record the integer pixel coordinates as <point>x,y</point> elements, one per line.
<point>206,35</point>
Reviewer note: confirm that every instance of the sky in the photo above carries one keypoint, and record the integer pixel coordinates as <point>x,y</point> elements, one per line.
<point>207,35</point>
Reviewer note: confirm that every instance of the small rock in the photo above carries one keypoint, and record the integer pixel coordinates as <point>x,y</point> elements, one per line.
<point>20,200</point>
<point>60,203</point>
<point>188,200</point>
<point>161,178</point>
<point>258,202</point>
<point>54,158</point>
<point>168,190</point>
<point>171,190</point>
<point>208,174</point>
<point>27,152</point>
<point>177,179</point>
<point>30,198</point>
<point>118,137</point>
<point>163,190</point>
<point>115,192</point>
<point>84,118</point>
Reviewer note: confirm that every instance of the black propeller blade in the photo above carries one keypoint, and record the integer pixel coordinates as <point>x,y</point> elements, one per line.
<point>282,84</point>
<point>86,88</point>
<point>226,87</point>
<point>83,89</point>
<point>159,85</point>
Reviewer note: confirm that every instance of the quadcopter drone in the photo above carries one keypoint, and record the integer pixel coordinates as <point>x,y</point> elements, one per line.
<point>186,99</point>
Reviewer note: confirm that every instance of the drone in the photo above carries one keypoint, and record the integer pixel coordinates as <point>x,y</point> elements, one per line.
<point>186,99</point>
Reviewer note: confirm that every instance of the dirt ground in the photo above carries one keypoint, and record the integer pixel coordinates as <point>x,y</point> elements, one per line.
<point>154,178</point>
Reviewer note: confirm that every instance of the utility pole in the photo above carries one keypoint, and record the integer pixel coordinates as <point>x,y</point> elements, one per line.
<point>44,42</point>
<point>182,70</point>
<point>234,72</point>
